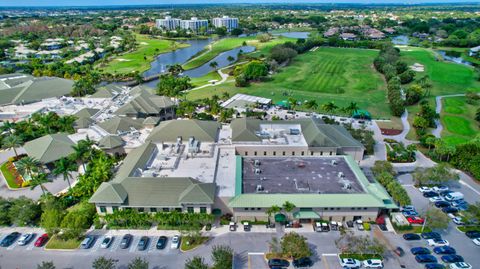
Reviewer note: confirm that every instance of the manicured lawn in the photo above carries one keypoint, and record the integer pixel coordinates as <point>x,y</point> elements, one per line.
<point>226,44</point>
<point>10,179</point>
<point>186,246</point>
<point>458,120</point>
<point>205,79</point>
<point>56,243</point>
<point>140,59</point>
<point>328,74</point>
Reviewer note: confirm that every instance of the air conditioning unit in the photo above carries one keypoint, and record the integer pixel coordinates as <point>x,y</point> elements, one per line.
<point>256,163</point>
<point>334,162</point>
<point>260,188</point>
<point>257,171</point>
<point>341,174</point>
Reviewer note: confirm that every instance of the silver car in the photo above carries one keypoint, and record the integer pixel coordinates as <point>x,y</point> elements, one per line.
<point>25,239</point>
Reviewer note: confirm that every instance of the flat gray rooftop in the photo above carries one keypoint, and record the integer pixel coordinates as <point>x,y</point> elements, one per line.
<point>299,175</point>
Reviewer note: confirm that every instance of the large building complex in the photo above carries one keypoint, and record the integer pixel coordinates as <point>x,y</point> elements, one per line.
<point>193,24</point>
<point>227,22</point>
<point>244,168</point>
<point>168,23</point>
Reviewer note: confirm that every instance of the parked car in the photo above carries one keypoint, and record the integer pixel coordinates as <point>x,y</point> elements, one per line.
<point>41,240</point>
<point>247,227</point>
<point>437,242</point>
<point>460,265</point>
<point>445,193</point>
<point>458,221</point>
<point>458,203</point>
<point>161,242</point>
<point>399,251</point>
<point>444,250</point>
<point>453,196</point>
<point>425,189</point>
<point>419,251</point>
<point>476,241</point>
<point>9,239</point>
<point>472,234</point>
<point>435,199</point>
<point>434,266</point>
<point>126,240</point>
<point>410,213</point>
<point>25,239</point>
<point>431,235</point>
<point>452,258</point>
<point>232,227</point>
<point>449,209</point>
<point>410,237</point>
<point>407,208</point>
<point>302,262</point>
<point>440,188</point>
<point>88,242</point>
<point>143,243</point>
<point>278,263</point>
<point>430,194</point>
<point>350,263</point>
<point>415,220</point>
<point>425,258</point>
<point>373,263</point>
<point>442,204</point>
<point>107,241</point>
<point>175,242</point>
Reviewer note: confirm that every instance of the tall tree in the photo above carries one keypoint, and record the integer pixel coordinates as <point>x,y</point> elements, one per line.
<point>436,219</point>
<point>288,207</point>
<point>222,256</point>
<point>138,263</point>
<point>28,165</point>
<point>104,263</point>
<point>12,142</point>
<point>39,180</point>
<point>196,262</point>
<point>64,167</point>
<point>213,65</point>
<point>274,209</point>
<point>329,107</point>
<point>46,265</point>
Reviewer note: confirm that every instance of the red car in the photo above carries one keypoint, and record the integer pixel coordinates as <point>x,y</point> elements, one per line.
<point>41,240</point>
<point>415,220</point>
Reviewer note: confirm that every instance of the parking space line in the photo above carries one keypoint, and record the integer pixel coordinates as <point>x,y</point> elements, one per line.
<point>115,244</point>
<point>12,246</point>
<point>153,243</point>
<point>135,241</point>
<point>97,244</point>
<point>470,187</point>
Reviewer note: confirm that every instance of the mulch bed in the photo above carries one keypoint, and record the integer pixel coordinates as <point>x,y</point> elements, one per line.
<point>390,131</point>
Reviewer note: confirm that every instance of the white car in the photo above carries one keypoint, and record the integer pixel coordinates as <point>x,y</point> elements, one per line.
<point>451,215</point>
<point>460,265</point>
<point>350,263</point>
<point>425,189</point>
<point>476,241</point>
<point>435,199</point>
<point>107,241</point>
<point>458,221</point>
<point>25,239</point>
<point>373,263</point>
<point>175,242</point>
<point>437,242</point>
<point>440,188</point>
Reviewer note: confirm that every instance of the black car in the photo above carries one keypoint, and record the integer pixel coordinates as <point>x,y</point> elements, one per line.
<point>430,194</point>
<point>302,262</point>
<point>420,250</point>
<point>444,250</point>
<point>442,204</point>
<point>410,237</point>
<point>472,234</point>
<point>126,240</point>
<point>278,263</point>
<point>434,266</point>
<point>431,235</point>
<point>452,258</point>
<point>424,258</point>
<point>449,209</point>
<point>445,193</point>
<point>9,239</point>
<point>162,242</point>
<point>143,243</point>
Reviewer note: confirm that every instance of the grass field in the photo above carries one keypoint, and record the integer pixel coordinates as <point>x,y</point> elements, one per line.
<point>226,44</point>
<point>205,79</point>
<point>139,60</point>
<point>458,120</point>
<point>328,74</point>
<point>56,243</point>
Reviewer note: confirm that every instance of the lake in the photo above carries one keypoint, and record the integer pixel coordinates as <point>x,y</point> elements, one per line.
<point>454,56</point>
<point>400,40</point>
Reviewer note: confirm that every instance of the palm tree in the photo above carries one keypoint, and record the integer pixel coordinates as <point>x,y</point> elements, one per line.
<point>27,165</point>
<point>8,127</point>
<point>82,151</point>
<point>288,207</point>
<point>63,167</point>
<point>213,65</point>
<point>352,108</point>
<point>274,209</point>
<point>12,142</point>
<point>329,107</point>
<point>293,102</point>
<point>175,69</point>
<point>39,180</point>
<point>230,58</point>
<point>311,104</point>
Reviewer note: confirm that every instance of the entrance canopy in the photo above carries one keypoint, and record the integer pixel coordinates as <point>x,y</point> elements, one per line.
<point>280,217</point>
<point>306,215</point>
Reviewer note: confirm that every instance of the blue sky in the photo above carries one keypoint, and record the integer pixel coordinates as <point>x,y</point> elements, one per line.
<point>153,2</point>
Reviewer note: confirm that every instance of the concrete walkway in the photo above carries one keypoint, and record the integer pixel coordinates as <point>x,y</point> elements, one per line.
<point>438,109</point>
<point>222,75</point>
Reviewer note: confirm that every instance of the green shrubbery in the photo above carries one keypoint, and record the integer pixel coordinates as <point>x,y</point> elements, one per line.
<point>384,174</point>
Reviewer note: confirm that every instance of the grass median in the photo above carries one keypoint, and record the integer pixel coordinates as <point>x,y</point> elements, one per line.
<point>57,243</point>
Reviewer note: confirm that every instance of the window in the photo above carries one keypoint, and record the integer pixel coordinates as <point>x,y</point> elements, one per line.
<point>321,152</point>
<point>331,153</point>
<point>141,209</point>
<point>114,208</point>
<point>311,153</point>
<point>303,153</point>
<point>364,208</point>
<point>293,153</point>
<point>264,153</point>
<point>203,209</point>
<point>103,209</point>
<point>190,209</point>
<point>246,153</point>
<point>178,209</point>
<point>326,208</point>
<point>353,208</point>
<point>258,208</point>
<point>153,210</point>
<point>283,153</point>
<point>274,153</point>
<point>255,153</point>
<point>246,208</point>
<point>253,209</point>
<point>166,209</point>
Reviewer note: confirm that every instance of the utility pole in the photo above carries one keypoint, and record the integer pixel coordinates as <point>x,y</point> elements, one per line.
<point>424,223</point>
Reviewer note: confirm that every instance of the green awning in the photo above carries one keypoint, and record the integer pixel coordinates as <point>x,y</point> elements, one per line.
<point>306,215</point>
<point>280,217</point>
<point>217,212</point>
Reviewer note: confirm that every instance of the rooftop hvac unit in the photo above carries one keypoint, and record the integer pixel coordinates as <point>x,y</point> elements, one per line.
<point>256,163</point>
<point>257,171</point>
<point>260,188</point>
<point>334,162</point>
<point>341,174</point>
<point>179,140</point>
<point>347,186</point>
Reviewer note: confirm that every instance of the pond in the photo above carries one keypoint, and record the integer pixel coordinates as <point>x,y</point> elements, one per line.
<point>400,40</point>
<point>454,56</point>
<point>303,35</point>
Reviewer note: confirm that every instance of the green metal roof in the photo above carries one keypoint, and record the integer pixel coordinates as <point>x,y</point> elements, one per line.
<point>145,103</point>
<point>30,90</point>
<point>49,148</point>
<point>142,89</point>
<point>110,142</point>
<point>109,193</point>
<point>86,112</point>
<point>82,123</point>
<point>137,158</point>
<point>151,121</point>
<point>306,215</point>
<point>107,91</point>
<point>168,131</point>
<point>118,125</point>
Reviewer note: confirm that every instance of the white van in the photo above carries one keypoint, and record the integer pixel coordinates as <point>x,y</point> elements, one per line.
<point>454,196</point>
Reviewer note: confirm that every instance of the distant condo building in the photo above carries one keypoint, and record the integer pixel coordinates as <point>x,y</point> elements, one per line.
<point>168,23</point>
<point>225,21</point>
<point>194,24</point>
